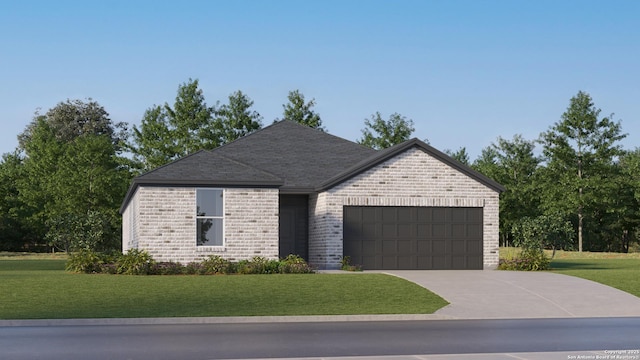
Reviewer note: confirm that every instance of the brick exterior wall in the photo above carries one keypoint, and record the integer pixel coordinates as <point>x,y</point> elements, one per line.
<point>161,220</point>
<point>412,178</point>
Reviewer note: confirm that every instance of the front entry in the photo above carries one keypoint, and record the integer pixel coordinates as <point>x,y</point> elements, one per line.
<point>294,220</point>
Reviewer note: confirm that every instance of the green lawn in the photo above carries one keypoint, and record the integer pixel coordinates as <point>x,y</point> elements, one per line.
<point>618,270</point>
<point>41,289</point>
<point>620,273</point>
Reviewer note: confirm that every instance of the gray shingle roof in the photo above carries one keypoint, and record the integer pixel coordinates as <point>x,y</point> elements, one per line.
<point>208,168</point>
<point>303,157</point>
<point>287,155</point>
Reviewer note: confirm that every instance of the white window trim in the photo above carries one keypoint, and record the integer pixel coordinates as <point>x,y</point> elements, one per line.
<point>196,218</point>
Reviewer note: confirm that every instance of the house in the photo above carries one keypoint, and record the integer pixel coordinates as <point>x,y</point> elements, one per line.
<point>291,189</point>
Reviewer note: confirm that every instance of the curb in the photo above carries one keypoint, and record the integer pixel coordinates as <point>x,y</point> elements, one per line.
<point>220,320</point>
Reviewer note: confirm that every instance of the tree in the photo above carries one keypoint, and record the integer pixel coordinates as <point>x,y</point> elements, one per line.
<point>73,118</point>
<point>579,151</point>
<point>299,111</point>
<point>71,174</point>
<point>513,164</point>
<point>460,155</point>
<point>380,134</point>
<point>167,133</point>
<point>15,235</point>
<point>236,119</point>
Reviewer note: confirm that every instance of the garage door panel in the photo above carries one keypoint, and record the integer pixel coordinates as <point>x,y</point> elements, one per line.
<point>389,247</point>
<point>439,215</point>
<point>458,230</point>
<point>389,214</point>
<point>438,247</point>
<point>406,246</point>
<point>439,230</point>
<point>406,230</point>
<point>458,215</point>
<point>389,231</point>
<point>440,263</point>
<point>458,246</point>
<point>458,262</point>
<point>406,263</point>
<point>414,237</point>
<point>424,262</point>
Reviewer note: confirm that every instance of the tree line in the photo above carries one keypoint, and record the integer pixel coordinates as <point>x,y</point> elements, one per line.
<point>62,186</point>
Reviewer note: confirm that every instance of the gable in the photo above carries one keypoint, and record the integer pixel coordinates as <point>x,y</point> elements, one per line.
<point>435,159</point>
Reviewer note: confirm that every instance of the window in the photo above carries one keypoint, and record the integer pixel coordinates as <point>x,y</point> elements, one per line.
<point>209,217</point>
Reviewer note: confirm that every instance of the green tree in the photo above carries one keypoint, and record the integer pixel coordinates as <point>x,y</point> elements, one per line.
<point>236,119</point>
<point>380,134</point>
<point>67,176</point>
<point>579,152</point>
<point>73,118</point>
<point>167,133</point>
<point>460,155</point>
<point>302,112</point>
<point>15,234</point>
<point>513,164</point>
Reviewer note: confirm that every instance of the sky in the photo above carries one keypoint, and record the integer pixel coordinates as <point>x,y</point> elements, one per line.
<point>466,72</point>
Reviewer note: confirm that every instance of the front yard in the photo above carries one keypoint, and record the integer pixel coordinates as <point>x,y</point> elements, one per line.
<point>621,271</point>
<point>617,270</point>
<point>41,289</point>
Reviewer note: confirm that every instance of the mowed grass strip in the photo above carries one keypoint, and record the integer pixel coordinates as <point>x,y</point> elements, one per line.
<point>620,273</point>
<point>41,289</point>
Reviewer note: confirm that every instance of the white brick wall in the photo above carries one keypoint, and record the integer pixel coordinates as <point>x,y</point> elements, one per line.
<point>412,178</point>
<point>166,227</point>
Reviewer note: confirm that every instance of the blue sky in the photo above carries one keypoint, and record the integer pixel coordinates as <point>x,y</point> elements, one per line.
<point>466,72</point>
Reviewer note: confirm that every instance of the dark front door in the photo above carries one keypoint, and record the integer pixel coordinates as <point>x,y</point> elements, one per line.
<point>417,238</point>
<point>294,232</point>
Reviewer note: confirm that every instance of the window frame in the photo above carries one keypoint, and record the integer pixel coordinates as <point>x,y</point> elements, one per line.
<point>200,217</point>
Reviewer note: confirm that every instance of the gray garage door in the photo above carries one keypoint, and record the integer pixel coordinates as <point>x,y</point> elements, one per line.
<point>423,238</point>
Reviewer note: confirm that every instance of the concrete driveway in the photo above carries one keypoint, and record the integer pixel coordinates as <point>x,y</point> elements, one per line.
<point>493,294</point>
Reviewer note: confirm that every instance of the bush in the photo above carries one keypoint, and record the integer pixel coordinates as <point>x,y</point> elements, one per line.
<point>194,268</point>
<point>85,261</point>
<point>167,268</point>
<point>257,265</point>
<point>140,262</point>
<point>215,264</point>
<point>294,264</point>
<point>345,264</point>
<point>526,262</point>
<point>135,262</point>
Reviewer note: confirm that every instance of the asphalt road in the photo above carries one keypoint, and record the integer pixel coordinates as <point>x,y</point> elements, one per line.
<point>322,339</point>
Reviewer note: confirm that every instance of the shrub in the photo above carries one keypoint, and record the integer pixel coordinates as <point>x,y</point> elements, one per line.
<point>85,261</point>
<point>167,268</point>
<point>194,268</point>
<point>345,264</point>
<point>294,264</point>
<point>135,262</point>
<point>532,262</point>
<point>216,265</point>
<point>258,265</point>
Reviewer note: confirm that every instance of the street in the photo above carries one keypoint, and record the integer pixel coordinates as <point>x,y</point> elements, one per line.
<point>321,339</point>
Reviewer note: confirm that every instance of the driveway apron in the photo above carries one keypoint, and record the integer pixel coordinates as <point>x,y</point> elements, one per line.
<point>492,294</point>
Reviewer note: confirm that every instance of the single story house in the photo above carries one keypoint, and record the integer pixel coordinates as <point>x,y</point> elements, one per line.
<point>290,189</point>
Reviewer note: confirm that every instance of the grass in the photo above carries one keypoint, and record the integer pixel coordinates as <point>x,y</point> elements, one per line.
<point>618,270</point>
<point>41,289</point>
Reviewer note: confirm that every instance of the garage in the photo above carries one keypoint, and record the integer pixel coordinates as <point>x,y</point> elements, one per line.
<point>414,238</point>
